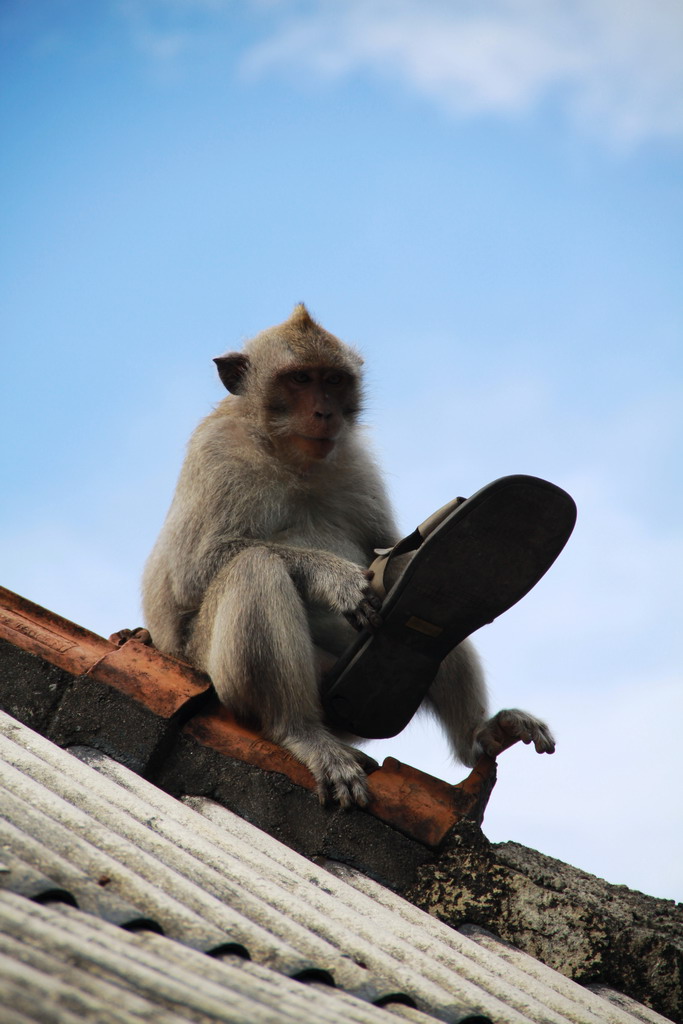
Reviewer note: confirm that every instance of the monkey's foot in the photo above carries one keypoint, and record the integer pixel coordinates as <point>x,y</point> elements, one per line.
<point>124,635</point>
<point>334,766</point>
<point>473,560</point>
<point>509,726</point>
<point>367,763</point>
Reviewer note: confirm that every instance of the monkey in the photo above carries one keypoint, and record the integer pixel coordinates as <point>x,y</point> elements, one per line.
<point>259,575</point>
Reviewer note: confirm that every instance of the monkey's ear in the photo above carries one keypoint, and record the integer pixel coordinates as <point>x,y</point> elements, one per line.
<point>232,369</point>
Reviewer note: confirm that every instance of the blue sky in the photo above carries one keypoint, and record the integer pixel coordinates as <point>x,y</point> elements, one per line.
<point>488,201</point>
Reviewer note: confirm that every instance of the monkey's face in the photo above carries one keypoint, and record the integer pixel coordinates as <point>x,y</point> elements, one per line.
<point>311,407</point>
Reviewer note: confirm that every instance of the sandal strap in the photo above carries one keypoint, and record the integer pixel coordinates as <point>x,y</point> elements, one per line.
<point>409,543</point>
<point>438,517</point>
<point>384,555</point>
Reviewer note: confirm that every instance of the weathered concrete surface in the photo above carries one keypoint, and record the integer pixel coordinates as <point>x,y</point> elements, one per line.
<point>578,924</point>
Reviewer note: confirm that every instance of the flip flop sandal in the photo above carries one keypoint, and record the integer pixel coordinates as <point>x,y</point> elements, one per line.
<point>475,558</point>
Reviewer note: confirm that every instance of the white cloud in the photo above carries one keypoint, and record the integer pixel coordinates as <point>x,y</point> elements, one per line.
<point>617,67</point>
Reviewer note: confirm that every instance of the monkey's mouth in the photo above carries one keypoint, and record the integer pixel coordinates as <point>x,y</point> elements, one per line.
<point>319,447</point>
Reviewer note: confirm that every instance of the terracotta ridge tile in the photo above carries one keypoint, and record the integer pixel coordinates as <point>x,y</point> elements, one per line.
<point>162,684</point>
<point>418,805</point>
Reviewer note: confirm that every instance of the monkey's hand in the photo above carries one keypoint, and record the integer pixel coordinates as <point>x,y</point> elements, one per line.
<point>366,615</point>
<point>511,725</point>
<point>345,587</point>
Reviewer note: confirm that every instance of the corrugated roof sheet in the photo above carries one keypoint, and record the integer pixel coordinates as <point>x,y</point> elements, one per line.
<point>132,858</point>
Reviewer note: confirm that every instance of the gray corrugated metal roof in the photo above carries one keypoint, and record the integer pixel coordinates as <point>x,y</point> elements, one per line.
<point>519,980</point>
<point>129,853</point>
<point>108,974</point>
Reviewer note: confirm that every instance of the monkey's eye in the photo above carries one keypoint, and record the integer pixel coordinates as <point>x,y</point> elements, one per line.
<point>335,379</point>
<point>300,377</point>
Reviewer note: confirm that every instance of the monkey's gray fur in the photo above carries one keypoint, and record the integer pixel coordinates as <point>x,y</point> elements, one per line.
<point>263,554</point>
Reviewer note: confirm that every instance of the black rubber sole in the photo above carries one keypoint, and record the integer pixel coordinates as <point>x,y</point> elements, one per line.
<point>484,557</point>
